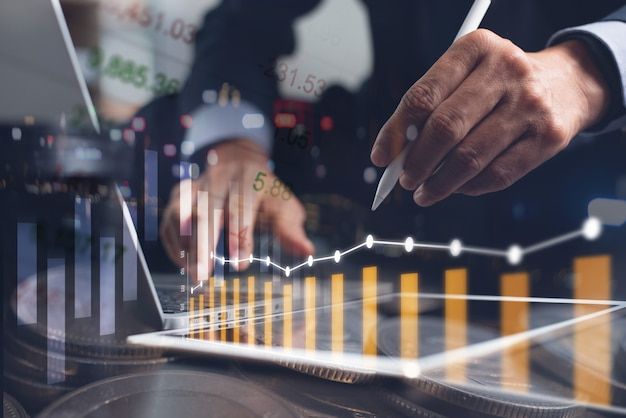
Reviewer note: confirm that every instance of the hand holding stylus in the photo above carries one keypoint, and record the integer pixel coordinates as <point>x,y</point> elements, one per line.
<point>485,115</point>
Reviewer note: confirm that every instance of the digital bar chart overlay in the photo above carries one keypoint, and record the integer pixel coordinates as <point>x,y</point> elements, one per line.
<point>590,321</point>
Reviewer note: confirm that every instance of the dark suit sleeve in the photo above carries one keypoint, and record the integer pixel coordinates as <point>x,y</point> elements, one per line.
<point>238,44</point>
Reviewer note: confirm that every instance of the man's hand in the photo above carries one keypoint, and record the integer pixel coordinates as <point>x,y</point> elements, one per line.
<point>488,113</point>
<point>228,182</point>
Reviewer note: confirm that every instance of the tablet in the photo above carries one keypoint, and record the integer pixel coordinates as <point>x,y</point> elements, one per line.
<point>494,342</point>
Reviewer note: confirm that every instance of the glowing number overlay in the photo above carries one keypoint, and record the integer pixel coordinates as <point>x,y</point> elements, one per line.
<point>130,72</point>
<point>148,17</point>
<point>275,189</point>
<point>310,84</point>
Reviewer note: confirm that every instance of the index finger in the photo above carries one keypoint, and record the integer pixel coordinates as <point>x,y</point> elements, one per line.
<point>423,97</point>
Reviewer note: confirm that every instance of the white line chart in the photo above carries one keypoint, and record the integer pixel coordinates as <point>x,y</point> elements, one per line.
<point>591,229</point>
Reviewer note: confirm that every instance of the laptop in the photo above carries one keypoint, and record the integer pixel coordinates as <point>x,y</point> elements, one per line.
<point>40,81</point>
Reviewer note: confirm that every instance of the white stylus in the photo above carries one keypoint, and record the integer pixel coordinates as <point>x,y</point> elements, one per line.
<point>394,169</point>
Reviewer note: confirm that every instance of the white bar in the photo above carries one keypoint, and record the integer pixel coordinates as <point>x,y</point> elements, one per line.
<point>276,254</point>
<point>151,195</point>
<point>55,302</point>
<point>82,258</point>
<point>26,269</point>
<point>203,236</point>
<point>264,243</point>
<point>218,239</point>
<point>234,202</point>
<point>107,286</point>
<point>129,261</point>
<point>186,210</point>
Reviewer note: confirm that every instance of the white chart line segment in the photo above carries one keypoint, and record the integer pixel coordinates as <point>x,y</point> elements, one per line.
<point>591,229</point>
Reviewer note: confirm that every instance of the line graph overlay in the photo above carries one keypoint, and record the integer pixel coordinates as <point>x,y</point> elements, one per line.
<point>591,229</point>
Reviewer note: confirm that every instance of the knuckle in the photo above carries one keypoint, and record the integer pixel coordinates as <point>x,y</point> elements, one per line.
<point>475,44</point>
<point>467,160</point>
<point>447,125</point>
<point>420,99</point>
<point>555,133</point>
<point>516,61</point>
<point>545,122</point>
<point>535,97</point>
<point>482,37</point>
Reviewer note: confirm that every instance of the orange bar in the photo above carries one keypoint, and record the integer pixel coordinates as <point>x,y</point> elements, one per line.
<point>192,303</point>
<point>592,339</point>
<point>223,312</point>
<point>268,313</point>
<point>213,315</point>
<point>236,311</point>
<point>370,311</point>
<point>309,312</point>
<point>251,314</point>
<point>456,320</point>
<point>337,313</point>
<point>202,236</point>
<point>288,316</point>
<point>201,317</point>
<point>514,320</point>
<point>409,320</point>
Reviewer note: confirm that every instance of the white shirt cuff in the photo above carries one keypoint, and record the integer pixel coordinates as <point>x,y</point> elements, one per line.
<point>214,123</point>
<point>612,34</point>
